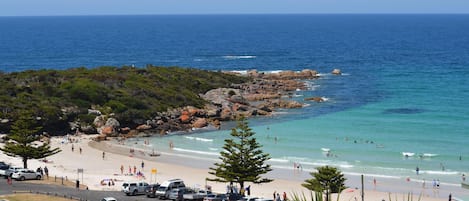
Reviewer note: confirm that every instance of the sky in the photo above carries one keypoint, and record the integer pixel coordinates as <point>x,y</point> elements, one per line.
<point>145,7</point>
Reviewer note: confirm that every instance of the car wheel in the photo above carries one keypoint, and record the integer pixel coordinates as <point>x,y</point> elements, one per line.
<point>135,192</point>
<point>38,177</point>
<point>22,178</point>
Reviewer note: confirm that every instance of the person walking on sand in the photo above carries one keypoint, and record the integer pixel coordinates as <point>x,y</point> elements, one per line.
<point>46,170</point>
<point>122,169</point>
<point>73,147</point>
<point>104,153</point>
<point>80,150</point>
<point>284,196</point>
<point>143,165</point>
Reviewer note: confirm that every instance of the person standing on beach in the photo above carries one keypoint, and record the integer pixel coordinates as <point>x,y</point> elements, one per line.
<point>122,169</point>
<point>73,148</point>
<point>143,165</point>
<point>80,150</point>
<point>104,153</point>
<point>46,170</point>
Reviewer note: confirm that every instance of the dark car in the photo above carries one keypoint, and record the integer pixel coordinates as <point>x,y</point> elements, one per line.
<point>151,189</point>
<point>216,197</point>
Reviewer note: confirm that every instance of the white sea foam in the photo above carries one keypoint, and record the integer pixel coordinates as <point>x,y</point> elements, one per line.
<point>439,172</point>
<point>372,175</point>
<point>199,139</point>
<point>272,71</point>
<point>213,149</point>
<point>279,160</point>
<point>428,155</point>
<point>196,151</point>
<point>242,72</point>
<point>239,57</point>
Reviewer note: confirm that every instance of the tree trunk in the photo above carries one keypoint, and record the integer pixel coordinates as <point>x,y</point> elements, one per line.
<point>25,163</point>
<point>241,188</point>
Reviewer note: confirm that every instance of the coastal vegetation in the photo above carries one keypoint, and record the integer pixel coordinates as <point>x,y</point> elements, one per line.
<point>242,159</point>
<point>24,140</point>
<point>132,95</point>
<point>326,180</point>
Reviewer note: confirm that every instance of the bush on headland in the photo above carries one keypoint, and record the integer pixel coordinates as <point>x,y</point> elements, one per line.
<point>58,97</point>
<point>112,100</point>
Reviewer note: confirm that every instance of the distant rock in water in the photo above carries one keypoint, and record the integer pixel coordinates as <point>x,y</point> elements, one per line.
<point>403,111</point>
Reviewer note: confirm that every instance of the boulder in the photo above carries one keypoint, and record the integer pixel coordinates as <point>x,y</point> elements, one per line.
<point>185,118</point>
<point>143,127</point>
<point>317,99</point>
<point>99,121</point>
<point>107,130</point>
<point>238,99</point>
<point>336,72</point>
<point>200,123</point>
<point>113,123</point>
<point>225,114</point>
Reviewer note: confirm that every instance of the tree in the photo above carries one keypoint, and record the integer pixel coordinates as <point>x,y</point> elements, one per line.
<point>24,138</point>
<point>327,179</point>
<point>242,160</point>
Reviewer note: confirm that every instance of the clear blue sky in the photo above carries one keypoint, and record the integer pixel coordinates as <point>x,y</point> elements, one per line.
<point>116,7</point>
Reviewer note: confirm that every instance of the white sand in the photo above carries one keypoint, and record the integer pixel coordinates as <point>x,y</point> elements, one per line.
<point>96,169</point>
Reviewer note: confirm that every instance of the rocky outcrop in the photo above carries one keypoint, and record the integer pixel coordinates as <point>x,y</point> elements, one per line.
<point>317,99</point>
<point>260,97</point>
<point>336,72</point>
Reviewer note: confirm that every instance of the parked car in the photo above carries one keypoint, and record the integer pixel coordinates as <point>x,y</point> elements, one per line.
<point>216,197</point>
<point>9,172</point>
<point>198,195</point>
<point>23,174</point>
<point>167,186</point>
<point>109,199</point>
<point>150,190</point>
<point>177,194</point>
<point>134,187</point>
<point>3,168</point>
<point>248,198</point>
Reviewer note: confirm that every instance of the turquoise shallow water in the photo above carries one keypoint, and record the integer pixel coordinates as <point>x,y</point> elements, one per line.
<point>404,87</point>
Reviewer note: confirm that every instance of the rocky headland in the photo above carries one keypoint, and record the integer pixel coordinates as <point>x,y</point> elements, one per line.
<point>265,93</point>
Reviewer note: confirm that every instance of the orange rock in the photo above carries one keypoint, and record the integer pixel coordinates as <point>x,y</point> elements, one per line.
<point>184,118</point>
<point>107,130</point>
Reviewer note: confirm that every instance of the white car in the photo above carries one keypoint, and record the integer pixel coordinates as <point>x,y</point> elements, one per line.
<point>109,199</point>
<point>23,174</point>
<point>9,172</point>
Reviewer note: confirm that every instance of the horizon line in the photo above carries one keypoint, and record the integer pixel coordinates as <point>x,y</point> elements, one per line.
<point>227,14</point>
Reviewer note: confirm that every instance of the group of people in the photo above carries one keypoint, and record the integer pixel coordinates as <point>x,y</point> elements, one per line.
<point>278,198</point>
<point>135,172</point>
<point>44,171</point>
<point>80,149</point>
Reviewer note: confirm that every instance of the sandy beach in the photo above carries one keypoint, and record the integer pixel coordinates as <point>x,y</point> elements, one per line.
<point>98,167</point>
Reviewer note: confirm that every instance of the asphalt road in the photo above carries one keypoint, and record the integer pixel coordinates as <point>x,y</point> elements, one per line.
<point>68,192</point>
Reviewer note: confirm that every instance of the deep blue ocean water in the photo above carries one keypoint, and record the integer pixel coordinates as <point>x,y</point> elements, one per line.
<point>404,87</point>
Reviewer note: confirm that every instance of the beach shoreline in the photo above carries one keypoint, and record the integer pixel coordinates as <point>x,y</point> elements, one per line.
<point>169,166</point>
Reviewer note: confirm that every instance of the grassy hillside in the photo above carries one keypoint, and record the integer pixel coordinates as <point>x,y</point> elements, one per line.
<point>133,94</point>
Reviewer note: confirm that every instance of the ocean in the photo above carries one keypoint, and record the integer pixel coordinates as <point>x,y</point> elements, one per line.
<point>403,91</point>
